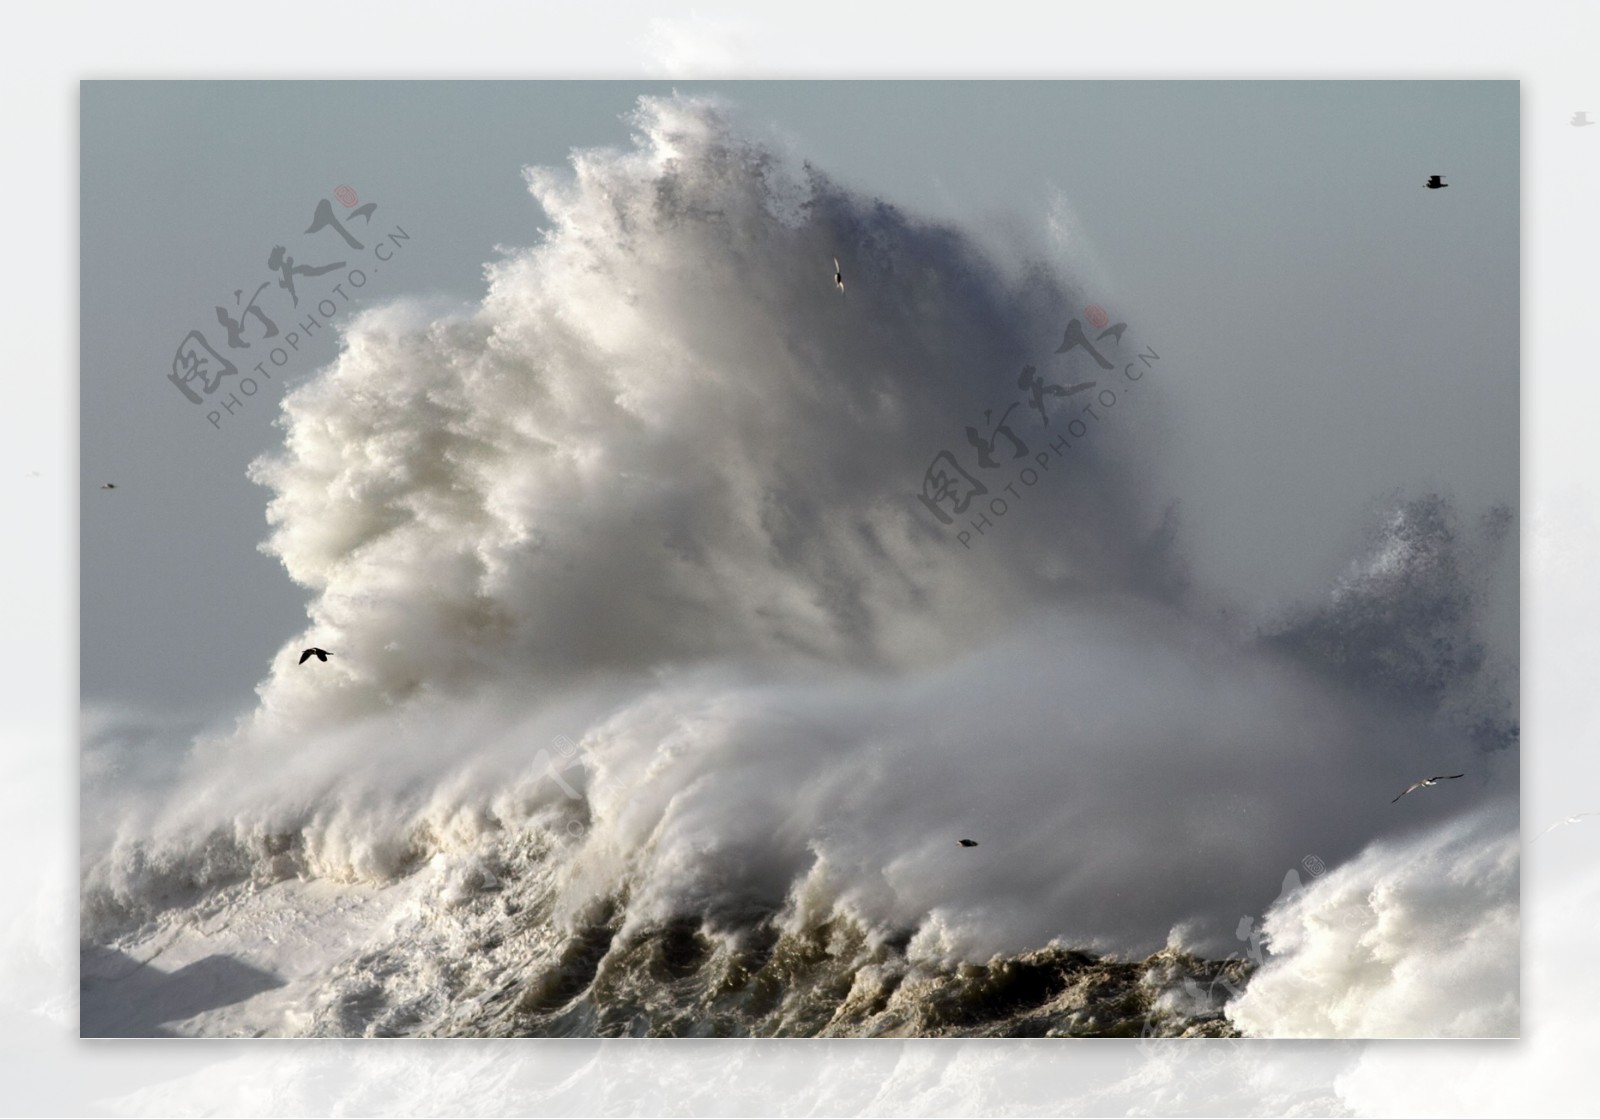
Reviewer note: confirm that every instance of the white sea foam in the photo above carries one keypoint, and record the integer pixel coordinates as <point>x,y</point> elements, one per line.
<point>627,564</point>
<point>1413,938</point>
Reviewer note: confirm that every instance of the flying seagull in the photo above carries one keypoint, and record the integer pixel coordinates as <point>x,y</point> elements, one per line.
<point>838,276</point>
<point>1580,119</point>
<point>1429,781</point>
<point>967,842</point>
<point>1569,819</point>
<point>1435,182</point>
<point>320,654</point>
<point>109,486</point>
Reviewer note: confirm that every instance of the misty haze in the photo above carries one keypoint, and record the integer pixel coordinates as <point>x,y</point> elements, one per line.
<point>725,569</point>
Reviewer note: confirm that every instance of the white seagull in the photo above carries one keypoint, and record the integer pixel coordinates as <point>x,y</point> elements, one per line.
<point>1563,823</point>
<point>838,276</point>
<point>1426,781</point>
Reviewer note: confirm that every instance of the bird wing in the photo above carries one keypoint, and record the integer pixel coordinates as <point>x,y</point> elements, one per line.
<point>1563,823</point>
<point>1447,777</point>
<point>303,656</point>
<point>1412,789</point>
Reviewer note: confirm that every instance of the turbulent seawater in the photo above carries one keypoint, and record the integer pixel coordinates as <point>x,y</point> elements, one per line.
<point>658,702</point>
<point>479,951</point>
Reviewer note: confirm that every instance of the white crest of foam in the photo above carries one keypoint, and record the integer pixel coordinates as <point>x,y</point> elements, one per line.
<point>1416,938</point>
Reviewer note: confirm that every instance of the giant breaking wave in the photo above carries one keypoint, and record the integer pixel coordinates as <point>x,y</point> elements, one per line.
<point>658,704</point>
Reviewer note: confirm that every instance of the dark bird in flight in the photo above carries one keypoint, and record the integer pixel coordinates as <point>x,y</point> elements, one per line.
<point>1426,781</point>
<point>109,486</point>
<point>1435,182</point>
<point>838,276</point>
<point>320,654</point>
<point>967,842</point>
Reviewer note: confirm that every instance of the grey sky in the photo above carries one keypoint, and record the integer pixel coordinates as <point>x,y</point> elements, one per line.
<point>1339,329</point>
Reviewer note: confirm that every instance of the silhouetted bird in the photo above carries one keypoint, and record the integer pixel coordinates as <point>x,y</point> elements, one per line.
<point>109,486</point>
<point>320,654</point>
<point>1435,182</point>
<point>838,276</point>
<point>1426,781</point>
<point>967,842</point>
<point>1579,120</point>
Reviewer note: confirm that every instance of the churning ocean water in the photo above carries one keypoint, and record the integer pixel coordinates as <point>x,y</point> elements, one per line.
<point>659,701</point>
